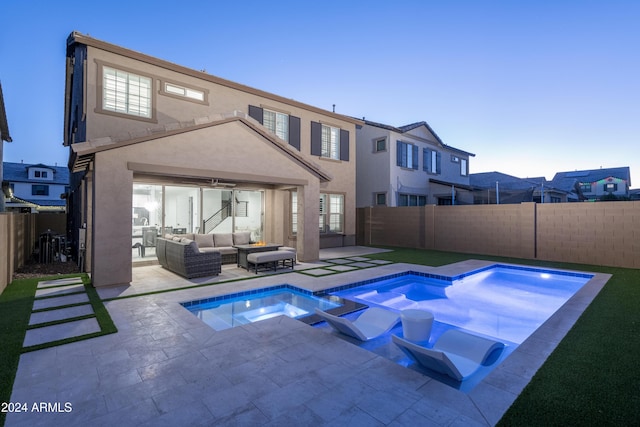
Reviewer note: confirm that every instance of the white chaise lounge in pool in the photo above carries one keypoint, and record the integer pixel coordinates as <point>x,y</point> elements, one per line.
<point>456,353</point>
<point>371,324</point>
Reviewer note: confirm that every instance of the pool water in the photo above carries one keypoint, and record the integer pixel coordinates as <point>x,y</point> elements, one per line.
<point>504,303</point>
<point>234,310</point>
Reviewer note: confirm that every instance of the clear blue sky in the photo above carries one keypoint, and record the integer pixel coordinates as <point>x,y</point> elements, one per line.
<point>531,87</point>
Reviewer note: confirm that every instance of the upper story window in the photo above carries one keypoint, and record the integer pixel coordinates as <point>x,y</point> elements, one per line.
<point>285,126</point>
<point>431,161</point>
<point>277,123</point>
<point>379,145</point>
<point>407,155</point>
<point>126,93</point>
<point>39,190</point>
<point>464,167</point>
<point>329,141</point>
<point>35,173</point>
<point>184,92</point>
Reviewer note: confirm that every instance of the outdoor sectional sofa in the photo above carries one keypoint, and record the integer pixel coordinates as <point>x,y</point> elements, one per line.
<point>197,255</point>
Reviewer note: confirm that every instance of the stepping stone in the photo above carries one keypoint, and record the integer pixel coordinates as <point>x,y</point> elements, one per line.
<point>69,289</point>
<point>60,301</point>
<point>58,332</point>
<point>339,261</point>
<point>59,282</point>
<point>380,261</point>
<point>317,272</point>
<point>60,314</point>
<point>341,268</point>
<point>363,264</point>
<point>358,258</point>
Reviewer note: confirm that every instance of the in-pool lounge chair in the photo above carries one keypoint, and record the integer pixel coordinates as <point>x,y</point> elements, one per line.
<point>456,353</point>
<point>371,324</point>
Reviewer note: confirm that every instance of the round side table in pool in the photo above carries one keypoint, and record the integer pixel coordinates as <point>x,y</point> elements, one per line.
<point>416,324</point>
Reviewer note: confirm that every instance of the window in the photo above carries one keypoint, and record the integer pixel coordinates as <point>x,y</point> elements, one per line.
<point>455,159</point>
<point>183,91</point>
<point>331,218</point>
<point>39,190</point>
<point>380,145</point>
<point>381,199</point>
<point>431,161</point>
<point>283,125</point>
<point>463,167</point>
<point>331,213</point>
<point>277,123</point>
<point>294,212</point>
<point>126,93</point>
<point>586,187</point>
<point>407,155</point>
<point>611,186</point>
<point>330,142</point>
<point>411,200</point>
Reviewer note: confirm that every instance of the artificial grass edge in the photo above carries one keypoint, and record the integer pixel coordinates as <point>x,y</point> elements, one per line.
<point>16,303</point>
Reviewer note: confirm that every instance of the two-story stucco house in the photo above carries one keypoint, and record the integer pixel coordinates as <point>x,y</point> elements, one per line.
<point>409,166</point>
<point>35,188</point>
<point>155,144</point>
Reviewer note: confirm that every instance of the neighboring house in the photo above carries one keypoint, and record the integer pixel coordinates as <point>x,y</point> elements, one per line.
<point>594,184</point>
<point>409,166</point>
<point>4,136</point>
<point>497,187</point>
<point>634,194</point>
<point>156,144</point>
<point>35,188</point>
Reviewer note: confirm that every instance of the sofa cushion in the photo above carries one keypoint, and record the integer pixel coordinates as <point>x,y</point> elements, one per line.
<point>242,238</point>
<point>204,240</point>
<point>223,239</point>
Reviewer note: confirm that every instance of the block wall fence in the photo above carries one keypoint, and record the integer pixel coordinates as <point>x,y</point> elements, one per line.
<point>604,233</point>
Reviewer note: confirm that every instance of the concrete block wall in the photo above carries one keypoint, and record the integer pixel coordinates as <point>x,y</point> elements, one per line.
<point>605,233</point>
<point>590,233</point>
<point>502,230</point>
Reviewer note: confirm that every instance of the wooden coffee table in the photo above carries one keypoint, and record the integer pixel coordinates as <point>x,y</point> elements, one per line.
<point>244,250</point>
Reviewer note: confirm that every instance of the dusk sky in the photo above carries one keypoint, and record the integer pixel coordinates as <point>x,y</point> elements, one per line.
<point>531,88</point>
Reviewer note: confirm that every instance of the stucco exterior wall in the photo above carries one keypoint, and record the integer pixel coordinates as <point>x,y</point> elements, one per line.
<point>588,233</point>
<point>255,160</point>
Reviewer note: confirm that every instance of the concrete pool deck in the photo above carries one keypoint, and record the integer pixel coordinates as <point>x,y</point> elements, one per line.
<point>166,367</point>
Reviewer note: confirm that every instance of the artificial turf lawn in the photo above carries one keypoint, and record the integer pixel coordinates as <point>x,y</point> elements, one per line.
<point>16,303</point>
<point>592,377</point>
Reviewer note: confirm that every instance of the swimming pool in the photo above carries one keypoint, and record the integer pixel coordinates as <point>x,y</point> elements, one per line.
<point>228,311</point>
<point>504,302</point>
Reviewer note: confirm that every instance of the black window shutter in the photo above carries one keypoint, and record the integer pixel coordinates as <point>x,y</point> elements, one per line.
<point>344,145</point>
<point>438,162</point>
<point>414,156</point>
<point>255,113</point>
<point>294,132</point>
<point>398,153</point>
<point>316,139</point>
